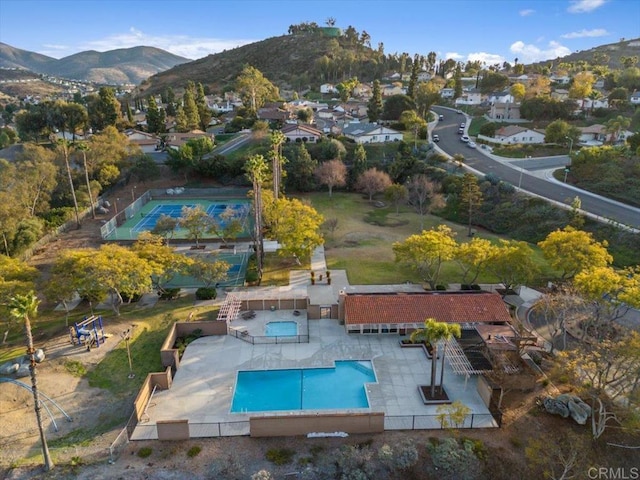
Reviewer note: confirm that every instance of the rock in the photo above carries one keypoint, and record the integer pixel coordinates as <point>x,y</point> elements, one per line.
<point>9,368</point>
<point>39,355</point>
<point>23,371</point>
<point>555,407</point>
<point>578,413</point>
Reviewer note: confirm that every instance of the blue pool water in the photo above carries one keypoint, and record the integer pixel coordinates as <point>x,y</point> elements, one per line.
<point>281,329</point>
<point>304,389</point>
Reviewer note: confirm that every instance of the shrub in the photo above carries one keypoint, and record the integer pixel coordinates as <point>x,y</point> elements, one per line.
<point>145,452</point>
<point>441,287</point>
<point>206,293</point>
<point>194,451</point>
<point>280,456</point>
<point>169,293</point>
<point>75,368</point>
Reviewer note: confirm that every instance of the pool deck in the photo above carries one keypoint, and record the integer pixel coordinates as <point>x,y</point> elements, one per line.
<point>203,386</point>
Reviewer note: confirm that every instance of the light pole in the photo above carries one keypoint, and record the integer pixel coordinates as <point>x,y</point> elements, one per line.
<point>520,179</point>
<point>126,336</point>
<point>133,193</point>
<point>570,147</point>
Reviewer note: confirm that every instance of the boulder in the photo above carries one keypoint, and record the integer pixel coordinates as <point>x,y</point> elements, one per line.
<point>9,368</point>
<point>555,407</point>
<point>39,355</point>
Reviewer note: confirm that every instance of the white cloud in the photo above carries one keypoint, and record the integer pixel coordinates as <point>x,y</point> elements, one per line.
<point>484,57</point>
<point>453,55</point>
<point>596,32</point>
<point>585,6</point>
<point>526,12</point>
<point>183,45</point>
<point>531,53</point>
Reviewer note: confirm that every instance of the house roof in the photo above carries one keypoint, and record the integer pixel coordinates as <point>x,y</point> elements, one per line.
<point>359,129</point>
<point>305,128</point>
<point>510,130</point>
<point>597,128</point>
<point>481,307</point>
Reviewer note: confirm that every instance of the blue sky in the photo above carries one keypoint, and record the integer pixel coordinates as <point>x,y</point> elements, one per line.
<point>489,30</point>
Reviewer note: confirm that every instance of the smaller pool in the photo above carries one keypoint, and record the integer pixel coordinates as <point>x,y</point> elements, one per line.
<point>281,329</point>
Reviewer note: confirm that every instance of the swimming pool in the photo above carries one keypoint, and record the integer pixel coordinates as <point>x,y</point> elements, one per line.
<point>304,389</point>
<point>281,329</point>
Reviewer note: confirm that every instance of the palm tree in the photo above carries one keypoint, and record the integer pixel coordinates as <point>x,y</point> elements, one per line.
<point>432,333</point>
<point>83,147</point>
<point>256,170</point>
<point>64,146</point>
<point>615,126</point>
<point>25,307</point>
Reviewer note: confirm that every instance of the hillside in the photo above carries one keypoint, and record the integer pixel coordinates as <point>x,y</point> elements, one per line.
<point>121,66</point>
<point>289,61</point>
<point>610,55</point>
<point>11,57</point>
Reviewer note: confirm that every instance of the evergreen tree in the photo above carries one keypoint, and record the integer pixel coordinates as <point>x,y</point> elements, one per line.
<point>374,108</point>
<point>181,120</point>
<point>154,123</point>
<point>203,109</point>
<point>359,164</point>
<point>190,108</point>
<point>171,102</point>
<point>104,109</point>
<point>413,81</point>
<point>458,82</point>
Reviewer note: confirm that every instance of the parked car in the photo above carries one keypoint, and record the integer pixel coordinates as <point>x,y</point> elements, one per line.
<point>441,117</point>
<point>436,138</point>
<point>462,125</point>
<point>459,111</point>
<point>471,145</point>
<point>461,131</point>
<point>464,138</point>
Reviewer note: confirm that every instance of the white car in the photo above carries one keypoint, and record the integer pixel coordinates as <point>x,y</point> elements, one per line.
<point>471,145</point>
<point>464,138</point>
<point>462,125</point>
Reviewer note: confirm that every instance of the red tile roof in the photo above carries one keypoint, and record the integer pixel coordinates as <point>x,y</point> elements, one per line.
<point>416,308</point>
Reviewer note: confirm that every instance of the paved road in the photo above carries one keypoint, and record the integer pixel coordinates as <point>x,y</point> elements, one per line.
<point>527,173</point>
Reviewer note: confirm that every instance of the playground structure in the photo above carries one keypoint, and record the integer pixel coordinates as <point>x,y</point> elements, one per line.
<point>88,332</point>
<point>42,404</point>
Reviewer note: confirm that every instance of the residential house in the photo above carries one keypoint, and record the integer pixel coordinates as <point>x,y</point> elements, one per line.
<point>424,76</point>
<point>447,92</point>
<point>504,111</point>
<point>301,133</point>
<point>560,94</point>
<point>328,88</point>
<point>470,97</point>
<point>370,133</point>
<point>589,104</point>
<point>560,79</point>
<point>175,140</point>
<point>515,134</point>
<point>401,313</point>
<point>593,135</point>
<point>362,90</point>
<point>148,142</point>
<point>634,99</point>
<point>389,90</point>
<point>274,114</point>
<point>500,97</point>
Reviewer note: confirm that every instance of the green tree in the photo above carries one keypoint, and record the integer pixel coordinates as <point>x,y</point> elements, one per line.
<point>83,147</point>
<point>24,308</point>
<point>359,164</point>
<point>164,261</point>
<point>427,251</point>
<point>181,120</point>
<point>424,196</point>
<point>570,251</point>
<point>189,155</point>
<point>457,79</point>
<point>104,109</point>
<point>276,139</point>
<point>155,117</point>
<point>256,169</point>
<point>230,224</point>
<point>616,125</point>
<point>470,196</point>
<point>433,333</point>
<point>63,150</point>
<point>204,113</point>
<point>196,222</point>
<point>190,107</point>
<point>255,89</point>
<point>396,194</point>
<point>170,102</point>
<point>427,95</point>
<point>34,178</point>
<point>76,118</point>
<point>559,131</point>
<point>346,87</point>
<point>395,105</point>
<point>166,227</point>
<point>300,168</point>
<point>209,270</point>
<point>374,106</point>
<point>493,81</point>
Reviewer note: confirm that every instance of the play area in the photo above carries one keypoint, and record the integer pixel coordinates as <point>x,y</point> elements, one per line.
<point>137,218</point>
<point>88,333</point>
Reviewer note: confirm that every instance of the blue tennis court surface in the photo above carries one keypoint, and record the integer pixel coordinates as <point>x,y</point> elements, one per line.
<point>221,213</point>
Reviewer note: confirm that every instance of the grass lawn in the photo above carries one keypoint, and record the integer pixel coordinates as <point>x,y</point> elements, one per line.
<point>362,241</point>
<point>276,269</point>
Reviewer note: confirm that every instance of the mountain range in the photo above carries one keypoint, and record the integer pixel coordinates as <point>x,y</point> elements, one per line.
<point>114,67</point>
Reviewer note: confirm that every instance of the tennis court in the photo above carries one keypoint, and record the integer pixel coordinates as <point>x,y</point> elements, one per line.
<point>220,211</point>
<point>235,275</point>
